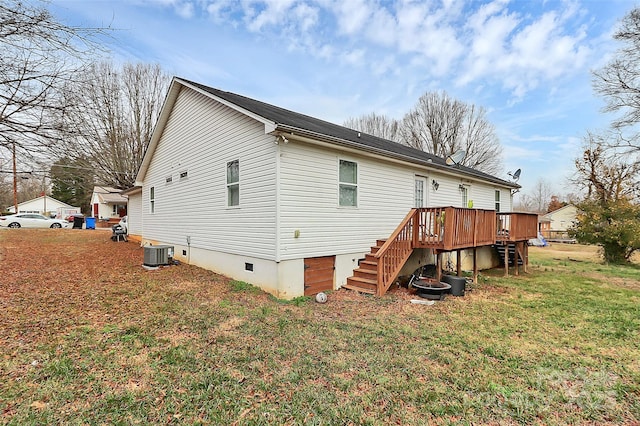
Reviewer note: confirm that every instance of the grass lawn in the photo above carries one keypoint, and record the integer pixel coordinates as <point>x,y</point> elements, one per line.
<point>87,336</point>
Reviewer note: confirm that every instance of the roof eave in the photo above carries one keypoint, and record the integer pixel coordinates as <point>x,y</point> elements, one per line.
<point>291,130</point>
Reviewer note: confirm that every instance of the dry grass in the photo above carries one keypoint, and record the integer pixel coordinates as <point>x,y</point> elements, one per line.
<point>88,336</point>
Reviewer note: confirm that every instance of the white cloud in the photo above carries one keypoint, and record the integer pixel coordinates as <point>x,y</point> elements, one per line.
<point>352,16</point>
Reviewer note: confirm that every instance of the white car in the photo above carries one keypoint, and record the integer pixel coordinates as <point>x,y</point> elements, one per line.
<point>31,220</point>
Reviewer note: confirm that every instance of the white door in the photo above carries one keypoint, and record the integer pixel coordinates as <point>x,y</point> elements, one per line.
<point>420,192</point>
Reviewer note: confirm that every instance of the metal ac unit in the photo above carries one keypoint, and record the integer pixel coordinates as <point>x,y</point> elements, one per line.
<point>157,255</point>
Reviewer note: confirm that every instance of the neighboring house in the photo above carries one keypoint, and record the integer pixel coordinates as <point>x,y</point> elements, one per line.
<point>559,222</point>
<point>134,213</point>
<point>108,203</point>
<point>46,206</point>
<point>277,198</point>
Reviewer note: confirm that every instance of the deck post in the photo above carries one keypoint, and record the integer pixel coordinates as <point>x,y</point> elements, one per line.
<point>516,255</point>
<point>526,257</point>
<point>438,266</point>
<point>475,266</point>
<point>458,263</point>
<point>506,259</point>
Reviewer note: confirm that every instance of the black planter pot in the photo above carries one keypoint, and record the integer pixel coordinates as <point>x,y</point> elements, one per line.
<point>457,284</point>
<point>431,290</point>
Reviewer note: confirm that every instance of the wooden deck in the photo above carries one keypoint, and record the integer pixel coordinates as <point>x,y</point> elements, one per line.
<point>445,229</point>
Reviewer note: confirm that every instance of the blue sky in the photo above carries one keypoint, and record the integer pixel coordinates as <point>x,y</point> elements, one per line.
<point>526,62</point>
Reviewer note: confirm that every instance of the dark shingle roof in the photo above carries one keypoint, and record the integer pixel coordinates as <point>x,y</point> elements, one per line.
<point>289,120</point>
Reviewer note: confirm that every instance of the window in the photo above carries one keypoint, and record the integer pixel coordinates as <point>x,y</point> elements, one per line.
<point>418,194</point>
<point>152,199</point>
<point>348,185</point>
<point>497,200</point>
<point>464,190</point>
<point>233,183</point>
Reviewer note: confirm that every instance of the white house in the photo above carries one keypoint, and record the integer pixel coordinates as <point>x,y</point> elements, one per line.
<point>134,213</point>
<point>108,203</point>
<point>271,197</point>
<point>559,222</point>
<point>47,206</point>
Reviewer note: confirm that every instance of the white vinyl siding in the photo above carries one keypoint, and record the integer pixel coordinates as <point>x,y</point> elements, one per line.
<point>134,214</point>
<point>201,136</point>
<point>385,196</point>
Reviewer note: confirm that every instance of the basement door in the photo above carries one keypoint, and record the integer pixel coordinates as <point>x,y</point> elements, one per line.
<point>319,274</point>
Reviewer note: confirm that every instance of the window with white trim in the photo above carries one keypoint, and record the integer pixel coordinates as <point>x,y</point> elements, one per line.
<point>464,190</point>
<point>233,183</point>
<point>497,200</point>
<point>152,199</point>
<point>348,183</point>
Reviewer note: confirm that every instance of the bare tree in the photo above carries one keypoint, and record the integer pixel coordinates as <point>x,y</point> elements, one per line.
<point>441,125</point>
<point>39,55</point>
<point>376,125</point>
<point>537,200</point>
<point>111,119</point>
<point>619,81</point>
<point>605,175</point>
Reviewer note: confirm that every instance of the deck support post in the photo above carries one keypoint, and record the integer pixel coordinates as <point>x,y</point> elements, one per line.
<point>458,263</point>
<point>516,252</point>
<point>475,266</point>
<point>438,266</point>
<point>506,259</point>
<point>526,256</point>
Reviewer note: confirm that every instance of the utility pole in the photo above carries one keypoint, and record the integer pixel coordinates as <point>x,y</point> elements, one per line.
<point>15,180</point>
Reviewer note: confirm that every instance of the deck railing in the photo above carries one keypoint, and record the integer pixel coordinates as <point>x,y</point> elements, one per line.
<point>468,228</point>
<point>395,251</point>
<point>516,226</point>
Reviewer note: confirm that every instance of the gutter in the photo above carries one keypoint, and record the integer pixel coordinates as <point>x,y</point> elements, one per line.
<point>356,148</point>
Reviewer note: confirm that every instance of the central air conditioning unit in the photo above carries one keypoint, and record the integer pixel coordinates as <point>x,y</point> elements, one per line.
<point>157,255</point>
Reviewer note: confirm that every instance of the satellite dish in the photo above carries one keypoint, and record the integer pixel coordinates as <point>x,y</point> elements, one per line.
<point>456,157</point>
<point>515,175</point>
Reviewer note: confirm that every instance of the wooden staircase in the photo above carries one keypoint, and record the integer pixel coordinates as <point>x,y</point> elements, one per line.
<point>365,277</point>
<point>442,229</point>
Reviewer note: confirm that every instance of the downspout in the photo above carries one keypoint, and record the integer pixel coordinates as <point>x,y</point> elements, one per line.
<point>278,153</point>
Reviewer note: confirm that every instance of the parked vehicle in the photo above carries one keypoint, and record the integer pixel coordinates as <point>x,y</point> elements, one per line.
<point>123,223</point>
<point>31,220</point>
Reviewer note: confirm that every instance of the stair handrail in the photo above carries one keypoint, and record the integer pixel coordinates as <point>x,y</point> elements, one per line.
<point>386,273</point>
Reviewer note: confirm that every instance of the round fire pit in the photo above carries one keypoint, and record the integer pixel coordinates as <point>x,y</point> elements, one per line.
<point>428,288</point>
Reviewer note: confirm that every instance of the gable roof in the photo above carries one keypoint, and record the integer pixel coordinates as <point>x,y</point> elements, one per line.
<point>550,215</point>
<point>48,198</point>
<point>290,123</point>
<point>106,194</point>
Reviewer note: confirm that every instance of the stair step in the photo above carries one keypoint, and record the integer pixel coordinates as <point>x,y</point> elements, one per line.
<point>374,249</point>
<point>371,274</point>
<point>363,283</point>
<point>366,264</point>
<point>358,289</point>
<point>371,258</point>
<point>380,243</point>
